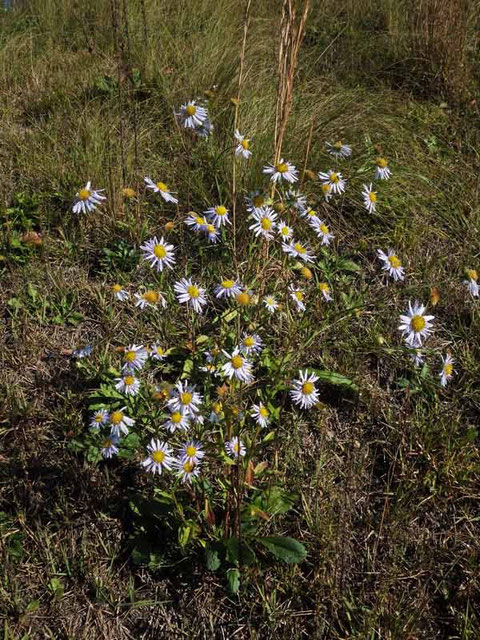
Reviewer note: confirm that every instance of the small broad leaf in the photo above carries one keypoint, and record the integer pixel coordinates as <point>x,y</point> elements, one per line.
<point>233,577</point>
<point>212,559</point>
<point>332,377</point>
<point>286,549</point>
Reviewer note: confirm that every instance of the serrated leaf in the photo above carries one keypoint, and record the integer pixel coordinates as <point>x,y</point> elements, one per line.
<point>286,549</point>
<point>332,377</point>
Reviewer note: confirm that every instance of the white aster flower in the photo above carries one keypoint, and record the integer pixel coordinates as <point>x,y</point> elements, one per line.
<point>325,291</point>
<point>212,233</point>
<point>128,384</point>
<point>339,150</point>
<point>192,116</point>
<point>447,371</point>
<point>150,299</point>
<point>162,189</point>
<point>109,447</point>
<point>227,289</point>
<point>159,457</point>
<point>251,344</point>
<point>191,294</point>
<point>99,419</point>
<point>334,180</point>
<point>196,222</point>
<point>185,399</point>
<point>260,414</point>
<point>270,303</point>
<point>256,200</point>
<point>296,200</point>
<point>415,325</point>
<point>87,199</point>
<point>218,215</point>
<point>82,352</point>
<point>304,393</point>
<point>119,293</point>
<point>157,352</point>
<point>298,297</point>
<point>243,147</point>
<point>158,253</point>
<point>192,451</point>
<point>135,357</point>
<point>417,356</point>
<point>472,283</point>
<point>323,232</point>
<point>281,171</point>
<point>297,250</point>
<point>264,224</point>
<point>235,448</point>
<point>119,422</point>
<point>205,129</point>
<point>369,198</point>
<point>382,171</point>
<point>186,470</point>
<point>237,367</point>
<point>284,231</point>
<point>326,191</point>
<point>176,422</point>
<point>391,264</point>
<point>311,217</point>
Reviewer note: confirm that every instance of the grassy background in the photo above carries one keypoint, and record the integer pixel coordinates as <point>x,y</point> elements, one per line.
<point>388,482</point>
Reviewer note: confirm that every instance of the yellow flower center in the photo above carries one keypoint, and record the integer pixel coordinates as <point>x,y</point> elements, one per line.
<point>236,447</point>
<point>285,231</point>
<point>306,273</point>
<point>324,229</point>
<point>248,341</point>
<point>263,411</point>
<point>161,186</point>
<point>221,210</point>
<point>151,296</point>
<point>334,178</point>
<point>176,417</point>
<point>258,201</point>
<point>130,356</point>
<point>216,407</point>
<point>281,167</point>
<point>186,397</point>
<point>394,261</point>
<point>188,466</point>
<point>210,228</point>
<point>84,194</point>
<point>323,286</point>
<point>472,274</point>
<point>129,380</point>
<point>338,145</point>
<point>299,248</point>
<point>382,162</point>
<point>190,110</point>
<point>311,213</point>
<point>237,362</point>
<point>201,221</point>
<point>326,188</point>
<point>107,443</point>
<point>270,300</point>
<point>159,251</point>
<point>193,291</point>
<point>227,284</point>
<point>160,351</point>
<point>266,224</point>
<point>372,196</point>
<point>243,298</point>
<point>448,369</point>
<point>245,144</point>
<point>99,418</point>
<point>158,456</point>
<point>191,451</point>
<point>298,295</point>
<point>308,388</point>
<point>116,417</point>
<point>418,323</point>
<point>116,288</point>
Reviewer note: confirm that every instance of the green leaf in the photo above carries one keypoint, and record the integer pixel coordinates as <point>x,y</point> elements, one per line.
<point>332,377</point>
<point>32,606</point>
<point>348,265</point>
<point>233,577</point>
<point>212,559</point>
<point>57,588</point>
<point>286,549</point>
